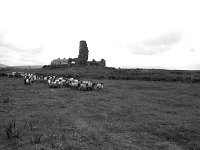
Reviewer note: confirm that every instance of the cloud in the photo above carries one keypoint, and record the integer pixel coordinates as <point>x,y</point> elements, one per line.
<point>156,45</point>
<point>11,47</point>
<point>192,50</point>
<point>10,53</point>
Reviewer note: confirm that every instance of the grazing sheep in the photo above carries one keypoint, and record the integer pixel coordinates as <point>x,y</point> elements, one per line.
<point>58,82</point>
<point>83,86</point>
<point>66,83</point>
<point>84,82</point>
<point>63,82</point>
<point>75,85</point>
<point>49,81</point>
<point>71,79</point>
<point>31,79</point>
<point>99,86</point>
<point>90,86</point>
<point>45,79</point>
<point>27,81</point>
<point>55,85</point>
<point>76,81</point>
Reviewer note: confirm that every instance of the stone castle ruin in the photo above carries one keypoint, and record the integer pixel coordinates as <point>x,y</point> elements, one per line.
<point>83,53</point>
<point>81,61</point>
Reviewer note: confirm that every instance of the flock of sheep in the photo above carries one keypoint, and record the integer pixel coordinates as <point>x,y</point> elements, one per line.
<point>58,82</point>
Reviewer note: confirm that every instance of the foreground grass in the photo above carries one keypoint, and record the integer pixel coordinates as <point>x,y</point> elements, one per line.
<point>125,115</point>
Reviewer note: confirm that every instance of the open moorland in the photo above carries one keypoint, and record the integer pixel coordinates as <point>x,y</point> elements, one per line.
<point>126,114</point>
<point>115,74</point>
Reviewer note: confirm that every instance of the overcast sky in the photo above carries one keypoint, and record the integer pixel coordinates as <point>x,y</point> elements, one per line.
<point>126,33</point>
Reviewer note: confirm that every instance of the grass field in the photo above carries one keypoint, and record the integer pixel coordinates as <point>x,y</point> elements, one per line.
<point>127,114</point>
<point>116,74</point>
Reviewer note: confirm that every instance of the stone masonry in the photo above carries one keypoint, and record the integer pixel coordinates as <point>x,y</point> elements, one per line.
<point>83,54</point>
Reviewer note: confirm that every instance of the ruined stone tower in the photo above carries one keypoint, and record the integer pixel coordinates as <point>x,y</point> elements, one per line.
<point>83,54</point>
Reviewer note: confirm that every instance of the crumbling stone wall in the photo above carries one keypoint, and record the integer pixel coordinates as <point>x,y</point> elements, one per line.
<point>82,59</point>
<point>101,63</point>
<point>83,53</point>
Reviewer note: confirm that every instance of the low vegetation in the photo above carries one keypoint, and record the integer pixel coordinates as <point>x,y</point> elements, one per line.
<point>138,115</point>
<point>117,74</point>
<point>11,131</point>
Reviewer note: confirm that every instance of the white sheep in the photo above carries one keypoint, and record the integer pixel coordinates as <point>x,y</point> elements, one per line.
<point>71,79</point>
<point>83,86</point>
<point>99,86</point>
<point>74,85</point>
<point>27,81</point>
<point>90,86</point>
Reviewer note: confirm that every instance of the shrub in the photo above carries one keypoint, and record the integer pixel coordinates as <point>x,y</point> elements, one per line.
<point>18,75</point>
<point>194,80</point>
<point>6,100</point>
<point>112,77</point>
<point>11,131</point>
<point>3,74</point>
<point>36,138</point>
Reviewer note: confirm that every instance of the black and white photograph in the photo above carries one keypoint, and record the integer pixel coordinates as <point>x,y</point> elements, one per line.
<point>100,74</point>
